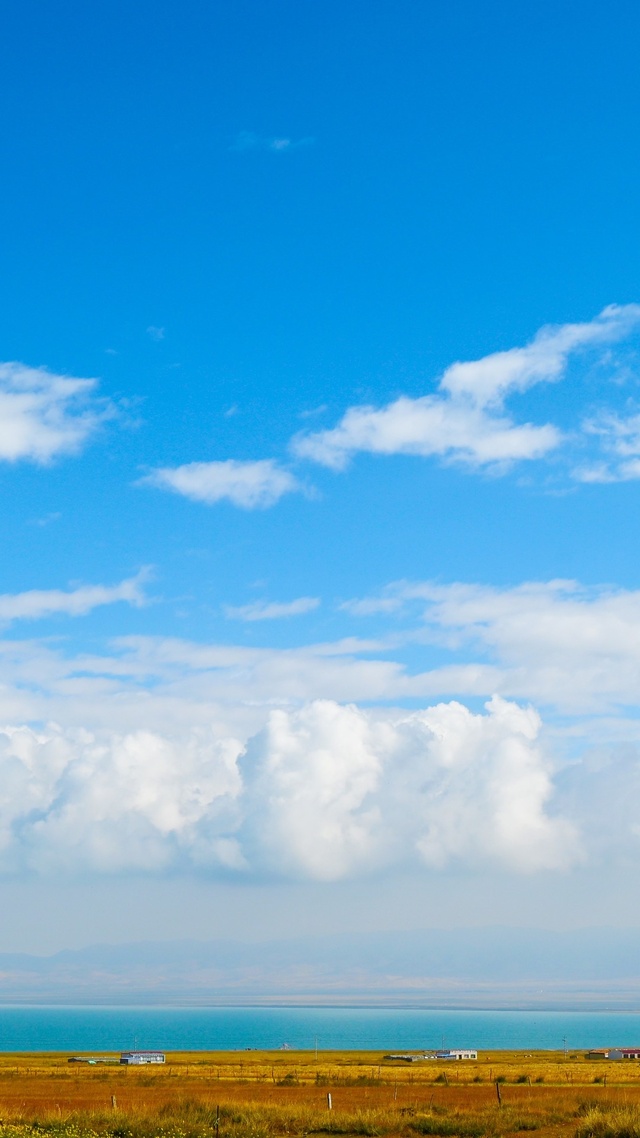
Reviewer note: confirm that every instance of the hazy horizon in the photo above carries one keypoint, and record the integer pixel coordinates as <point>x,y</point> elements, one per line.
<point>587,969</point>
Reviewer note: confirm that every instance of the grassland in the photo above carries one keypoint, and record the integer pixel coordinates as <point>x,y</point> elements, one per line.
<point>284,1095</point>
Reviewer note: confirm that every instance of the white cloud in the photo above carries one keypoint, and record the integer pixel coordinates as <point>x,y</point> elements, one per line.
<point>569,649</point>
<point>336,791</point>
<point>619,439</point>
<point>38,603</point>
<point>557,642</point>
<point>323,793</point>
<point>271,610</point>
<point>170,754</point>
<point>79,802</point>
<point>465,419</point>
<point>431,425</point>
<point>155,333</point>
<point>488,381</point>
<point>250,485</point>
<point>43,415</point>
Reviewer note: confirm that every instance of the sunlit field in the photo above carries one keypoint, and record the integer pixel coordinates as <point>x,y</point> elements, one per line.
<point>267,1095</point>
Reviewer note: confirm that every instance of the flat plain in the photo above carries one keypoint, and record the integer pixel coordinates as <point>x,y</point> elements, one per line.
<point>271,1094</point>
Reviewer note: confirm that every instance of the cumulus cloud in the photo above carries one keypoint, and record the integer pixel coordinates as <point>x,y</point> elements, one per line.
<point>465,419</point>
<point>323,792</point>
<point>250,485</point>
<point>43,415</point>
<point>37,603</point>
<point>75,801</point>
<point>334,790</point>
<point>272,610</point>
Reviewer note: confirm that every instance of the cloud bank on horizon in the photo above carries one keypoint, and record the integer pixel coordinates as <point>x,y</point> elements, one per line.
<point>321,793</point>
<point>259,763</point>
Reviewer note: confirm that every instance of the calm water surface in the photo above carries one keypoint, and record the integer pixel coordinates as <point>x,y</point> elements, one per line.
<point>211,1029</point>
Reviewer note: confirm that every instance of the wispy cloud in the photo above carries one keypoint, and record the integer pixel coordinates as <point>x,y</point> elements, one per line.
<point>558,642</point>
<point>38,603</point>
<point>272,610</point>
<point>44,415</point>
<point>276,144</point>
<point>250,485</point>
<point>465,419</point>
<point>155,333</point>
<point>619,445</point>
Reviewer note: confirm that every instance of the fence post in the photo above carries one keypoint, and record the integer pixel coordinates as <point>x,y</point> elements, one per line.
<point>329,1103</point>
<point>498,1093</point>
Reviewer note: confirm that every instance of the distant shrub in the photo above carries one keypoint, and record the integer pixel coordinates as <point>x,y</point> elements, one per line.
<point>288,1080</point>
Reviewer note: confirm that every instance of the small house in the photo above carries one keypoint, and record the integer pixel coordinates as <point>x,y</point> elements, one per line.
<point>457,1053</point>
<point>138,1058</point>
<point>614,1053</point>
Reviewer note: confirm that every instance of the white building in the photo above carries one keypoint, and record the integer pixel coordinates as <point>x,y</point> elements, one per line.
<point>457,1053</point>
<point>137,1058</point>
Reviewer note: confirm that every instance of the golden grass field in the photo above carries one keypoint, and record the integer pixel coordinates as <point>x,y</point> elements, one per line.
<point>273,1094</point>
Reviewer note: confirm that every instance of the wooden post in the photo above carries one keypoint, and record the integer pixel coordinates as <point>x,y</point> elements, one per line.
<point>329,1103</point>
<point>217,1122</point>
<point>498,1093</point>
<point>113,1102</point>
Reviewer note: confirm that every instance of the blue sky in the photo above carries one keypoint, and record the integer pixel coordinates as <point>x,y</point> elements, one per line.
<point>319,431</point>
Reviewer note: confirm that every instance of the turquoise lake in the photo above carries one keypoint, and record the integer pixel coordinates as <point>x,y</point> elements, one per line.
<point>210,1029</point>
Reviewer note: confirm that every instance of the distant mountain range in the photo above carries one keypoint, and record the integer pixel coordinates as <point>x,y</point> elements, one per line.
<point>487,967</point>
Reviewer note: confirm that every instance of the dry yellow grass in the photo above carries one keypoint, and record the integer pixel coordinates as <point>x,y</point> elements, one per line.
<point>267,1095</point>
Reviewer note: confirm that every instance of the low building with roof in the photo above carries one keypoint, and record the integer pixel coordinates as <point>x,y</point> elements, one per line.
<point>457,1053</point>
<point>614,1053</point>
<point>139,1058</point>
